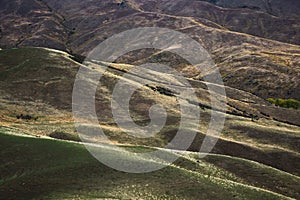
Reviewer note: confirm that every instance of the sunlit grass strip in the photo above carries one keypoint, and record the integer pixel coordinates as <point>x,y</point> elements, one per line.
<point>285,103</point>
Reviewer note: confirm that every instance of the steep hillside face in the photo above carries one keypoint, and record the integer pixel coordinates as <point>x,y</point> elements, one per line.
<point>255,45</point>
<point>229,30</point>
<point>39,82</point>
<point>39,22</point>
<point>277,20</point>
<point>38,75</point>
<point>288,9</point>
<point>31,23</point>
<point>34,19</point>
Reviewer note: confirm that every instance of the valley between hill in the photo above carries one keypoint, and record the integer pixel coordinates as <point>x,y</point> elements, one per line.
<point>256,157</point>
<point>255,46</point>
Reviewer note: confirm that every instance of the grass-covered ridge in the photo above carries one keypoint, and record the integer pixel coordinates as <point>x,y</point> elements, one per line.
<point>52,169</point>
<point>38,82</point>
<point>285,103</point>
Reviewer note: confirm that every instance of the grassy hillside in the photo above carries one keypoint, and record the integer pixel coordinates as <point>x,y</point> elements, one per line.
<point>243,41</point>
<point>38,82</point>
<point>257,155</point>
<point>42,168</point>
<point>254,44</point>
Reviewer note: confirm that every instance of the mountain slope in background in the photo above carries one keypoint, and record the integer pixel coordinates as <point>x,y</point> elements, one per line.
<point>255,44</point>
<point>268,68</point>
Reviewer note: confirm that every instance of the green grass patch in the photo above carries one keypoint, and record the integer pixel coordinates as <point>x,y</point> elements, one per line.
<point>285,103</point>
<point>36,168</point>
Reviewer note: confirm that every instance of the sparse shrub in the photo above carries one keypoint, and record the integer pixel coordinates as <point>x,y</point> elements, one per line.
<point>162,90</point>
<point>26,117</point>
<point>122,4</point>
<point>285,103</point>
<point>64,136</point>
<point>78,58</point>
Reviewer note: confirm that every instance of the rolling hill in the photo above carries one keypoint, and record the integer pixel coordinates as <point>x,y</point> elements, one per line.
<point>74,173</point>
<point>254,44</point>
<point>38,82</point>
<point>246,50</point>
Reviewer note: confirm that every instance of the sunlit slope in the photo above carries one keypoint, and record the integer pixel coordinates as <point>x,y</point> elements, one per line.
<point>39,82</point>
<point>43,168</point>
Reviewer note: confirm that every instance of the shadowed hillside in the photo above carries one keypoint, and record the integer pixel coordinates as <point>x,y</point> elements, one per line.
<point>44,44</point>
<point>254,128</point>
<point>267,68</point>
<point>73,173</point>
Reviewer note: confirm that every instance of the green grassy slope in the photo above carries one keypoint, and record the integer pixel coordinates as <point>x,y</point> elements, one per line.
<point>35,168</point>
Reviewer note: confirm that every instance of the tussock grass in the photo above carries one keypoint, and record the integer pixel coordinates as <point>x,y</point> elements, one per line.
<point>42,168</point>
